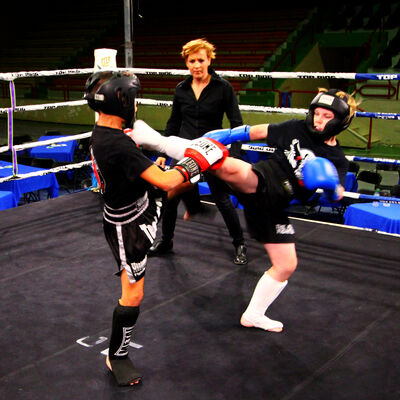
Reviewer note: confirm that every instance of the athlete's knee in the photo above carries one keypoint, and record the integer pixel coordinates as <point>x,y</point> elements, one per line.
<point>132,295</point>
<point>283,268</point>
<point>131,299</point>
<point>291,267</point>
<point>290,264</point>
<point>289,270</point>
<point>283,257</point>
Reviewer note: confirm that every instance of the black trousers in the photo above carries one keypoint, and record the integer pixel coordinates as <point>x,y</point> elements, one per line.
<point>220,193</point>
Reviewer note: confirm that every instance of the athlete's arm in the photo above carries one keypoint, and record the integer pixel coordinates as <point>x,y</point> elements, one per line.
<point>243,133</point>
<point>165,180</point>
<point>161,161</point>
<point>200,155</point>
<point>259,132</point>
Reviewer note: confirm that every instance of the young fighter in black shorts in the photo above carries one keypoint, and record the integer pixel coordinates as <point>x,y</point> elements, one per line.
<point>307,156</point>
<point>133,188</point>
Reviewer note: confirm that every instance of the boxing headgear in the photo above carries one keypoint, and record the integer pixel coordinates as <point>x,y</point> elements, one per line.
<point>338,106</point>
<point>115,96</point>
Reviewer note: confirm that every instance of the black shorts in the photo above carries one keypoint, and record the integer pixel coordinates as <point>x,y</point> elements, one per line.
<point>130,232</point>
<point>264,211</point>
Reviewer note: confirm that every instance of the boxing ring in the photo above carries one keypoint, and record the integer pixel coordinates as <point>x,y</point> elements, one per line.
<point>57,291</point>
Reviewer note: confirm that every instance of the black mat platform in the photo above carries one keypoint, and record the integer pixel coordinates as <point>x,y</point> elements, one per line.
<point>57,292</point>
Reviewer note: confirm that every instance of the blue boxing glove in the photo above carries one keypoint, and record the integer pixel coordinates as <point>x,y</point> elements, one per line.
<point>321,173</point>
<point>227,136</point>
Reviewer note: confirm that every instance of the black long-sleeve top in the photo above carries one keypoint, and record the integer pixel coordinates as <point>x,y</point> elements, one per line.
<point>191,118</point>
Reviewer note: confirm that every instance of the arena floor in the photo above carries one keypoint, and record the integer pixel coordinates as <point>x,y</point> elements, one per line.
<point>57,292</point>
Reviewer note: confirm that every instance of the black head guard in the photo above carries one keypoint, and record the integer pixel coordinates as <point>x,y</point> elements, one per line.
<point>338,106</point>
<point>115,96</point>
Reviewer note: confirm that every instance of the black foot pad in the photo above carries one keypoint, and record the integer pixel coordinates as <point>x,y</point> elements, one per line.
<point>125,373</point>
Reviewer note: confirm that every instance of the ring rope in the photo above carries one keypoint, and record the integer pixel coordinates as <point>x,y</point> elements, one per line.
<point>374,160</point>
<point>251,147</point>
<point>371,197</point>
<point>349,195</point>
<point>49,106</point>
<point>166,103</point>
<point>9,76</point>
<point>266,149</point>
<point>63,139</point>
<point>358,228</point>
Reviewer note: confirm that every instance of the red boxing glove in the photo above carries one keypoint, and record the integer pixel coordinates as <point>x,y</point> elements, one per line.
<point>207,152</point>
<point>203,153</point>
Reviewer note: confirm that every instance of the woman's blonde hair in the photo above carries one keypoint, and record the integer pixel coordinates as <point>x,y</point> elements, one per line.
<point>197,44</point>
<point>349,98</point>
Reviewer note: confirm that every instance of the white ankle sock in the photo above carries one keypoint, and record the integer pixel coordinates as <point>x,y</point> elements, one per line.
<point>265,292</point>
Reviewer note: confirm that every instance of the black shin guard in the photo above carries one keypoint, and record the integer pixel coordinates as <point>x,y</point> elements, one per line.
<point>124,319</point>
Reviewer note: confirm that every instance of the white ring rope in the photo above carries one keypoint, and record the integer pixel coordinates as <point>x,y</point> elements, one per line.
<point>251,147</point>
<point>368,197</point>
<point>148,102</point>
<point>166,103</point>
<point>266,149</point>
<point>63,139</point>
<point>10,76</point>
<point>41,107</point>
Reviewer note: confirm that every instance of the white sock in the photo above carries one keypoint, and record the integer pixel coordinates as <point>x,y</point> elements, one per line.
<point>265,292</point>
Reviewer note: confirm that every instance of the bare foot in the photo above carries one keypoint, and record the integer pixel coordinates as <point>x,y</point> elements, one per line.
<point>108,363</point>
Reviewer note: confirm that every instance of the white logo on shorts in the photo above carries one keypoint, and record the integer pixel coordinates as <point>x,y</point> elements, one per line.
<point>284,229</point>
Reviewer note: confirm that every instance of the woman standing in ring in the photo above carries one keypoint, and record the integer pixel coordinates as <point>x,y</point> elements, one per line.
<point>199,105</point>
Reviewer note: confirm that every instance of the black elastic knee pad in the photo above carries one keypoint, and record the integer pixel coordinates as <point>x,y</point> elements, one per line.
<point>124,320</point>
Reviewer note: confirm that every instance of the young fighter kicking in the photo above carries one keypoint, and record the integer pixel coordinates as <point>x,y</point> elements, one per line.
<point>307,156</point>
